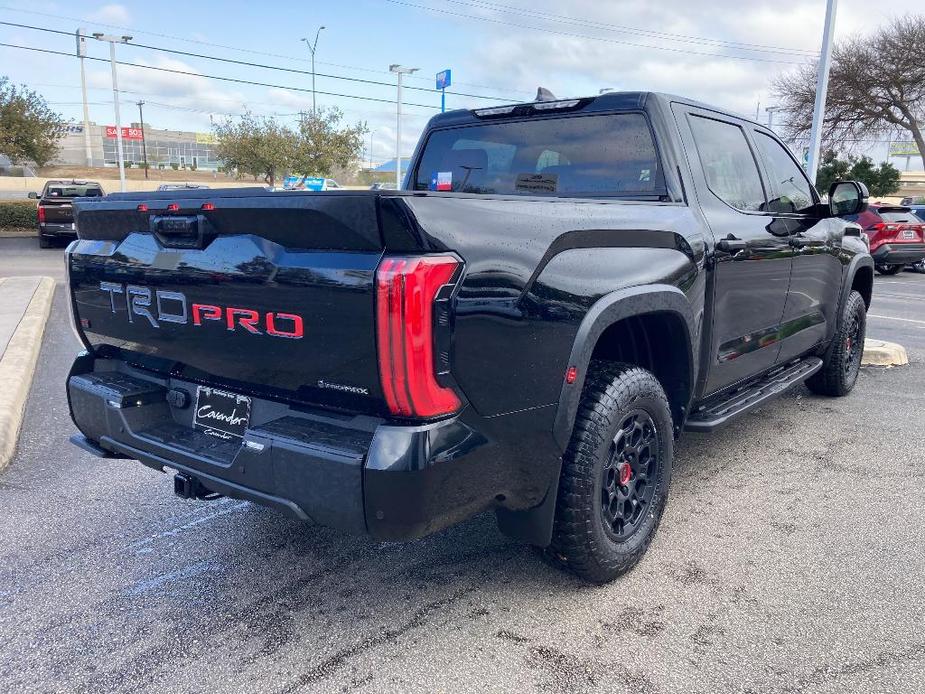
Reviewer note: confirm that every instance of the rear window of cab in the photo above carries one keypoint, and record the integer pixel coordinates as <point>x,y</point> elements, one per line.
<point>578,156</point>
<point>75,191</point>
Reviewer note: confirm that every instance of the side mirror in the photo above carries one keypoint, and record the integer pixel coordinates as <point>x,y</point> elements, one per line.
<point>847,197</point>
<point>33,195</point>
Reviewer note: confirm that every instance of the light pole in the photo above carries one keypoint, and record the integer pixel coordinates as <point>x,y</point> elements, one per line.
<point>113,40</point>
<point>399,70</point>
<point>312,47</point>
<point>144,144</point>
<point>82,53</point>
<point>822,86</point>
<point>771,110</point>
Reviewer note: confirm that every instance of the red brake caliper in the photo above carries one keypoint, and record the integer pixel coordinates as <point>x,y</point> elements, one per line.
<point>625,472</point>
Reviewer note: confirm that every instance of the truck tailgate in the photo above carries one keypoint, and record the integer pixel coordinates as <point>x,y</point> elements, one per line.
<point>272,294</point>
<point>58,211</point>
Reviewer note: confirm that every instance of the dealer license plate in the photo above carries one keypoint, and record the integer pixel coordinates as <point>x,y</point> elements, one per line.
<point>221,414</point>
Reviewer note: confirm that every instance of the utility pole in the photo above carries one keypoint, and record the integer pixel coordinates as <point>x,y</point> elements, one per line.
<point>371,149</point>
<point>822,86</point>
<point>312,47</point>
<point>113,40</point>
<point>82,53</point>
<point>144,144</point>
<point>399,70</point>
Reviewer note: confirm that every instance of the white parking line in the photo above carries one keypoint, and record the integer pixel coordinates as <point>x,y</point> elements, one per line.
<point>898,296</point>
<point>904,320</point>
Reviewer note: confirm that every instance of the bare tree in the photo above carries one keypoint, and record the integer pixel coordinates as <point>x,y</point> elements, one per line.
<point>876,86</point>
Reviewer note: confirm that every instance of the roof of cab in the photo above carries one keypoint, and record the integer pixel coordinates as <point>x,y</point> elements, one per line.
<point>608,101</point>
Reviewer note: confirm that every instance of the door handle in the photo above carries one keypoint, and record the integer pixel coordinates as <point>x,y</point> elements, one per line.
<point>731,244</point>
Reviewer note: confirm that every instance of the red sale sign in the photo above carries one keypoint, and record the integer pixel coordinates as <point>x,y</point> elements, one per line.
<point>127,133</point>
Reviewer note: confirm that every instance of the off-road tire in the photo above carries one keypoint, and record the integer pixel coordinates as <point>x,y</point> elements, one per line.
<point>842,360</point>
<point>890,269</point>
<point>583,541</point>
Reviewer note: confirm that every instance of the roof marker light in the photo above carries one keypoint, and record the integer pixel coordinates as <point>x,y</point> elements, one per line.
<point>497,111</point>
<point>550,105</point>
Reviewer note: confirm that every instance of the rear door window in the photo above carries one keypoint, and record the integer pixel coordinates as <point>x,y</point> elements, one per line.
<point>579,156</point>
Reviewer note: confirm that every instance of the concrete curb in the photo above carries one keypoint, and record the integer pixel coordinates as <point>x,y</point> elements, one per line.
<point>880,353</point>
<point>18,234</point>
<point>18,365</point>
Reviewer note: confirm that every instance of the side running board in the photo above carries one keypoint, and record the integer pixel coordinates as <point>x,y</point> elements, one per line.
<point>715,413</point>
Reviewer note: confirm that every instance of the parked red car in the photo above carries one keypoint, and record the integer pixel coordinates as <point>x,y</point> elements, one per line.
<point>896,235</point>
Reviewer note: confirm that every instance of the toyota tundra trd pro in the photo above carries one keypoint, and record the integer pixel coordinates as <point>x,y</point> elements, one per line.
<point>560,289</point>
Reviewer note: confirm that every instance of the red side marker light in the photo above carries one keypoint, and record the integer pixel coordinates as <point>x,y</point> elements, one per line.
<point>207,207</point>
<point>173,207</point>
<point>142,208</point>
<point>571,374</point>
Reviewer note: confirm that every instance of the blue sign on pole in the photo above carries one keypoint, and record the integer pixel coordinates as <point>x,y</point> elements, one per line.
<point>444,79</point>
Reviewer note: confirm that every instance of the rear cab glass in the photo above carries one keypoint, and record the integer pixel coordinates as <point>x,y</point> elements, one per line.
<point>600,155</point>
<point>73,191</point>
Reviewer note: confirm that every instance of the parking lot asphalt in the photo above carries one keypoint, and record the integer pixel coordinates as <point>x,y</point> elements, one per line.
<point>791,558</point>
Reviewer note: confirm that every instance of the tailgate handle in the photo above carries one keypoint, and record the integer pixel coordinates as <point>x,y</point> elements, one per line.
<point>182,231</point>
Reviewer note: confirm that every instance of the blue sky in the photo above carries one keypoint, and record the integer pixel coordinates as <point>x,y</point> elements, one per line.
<point>723,51</point>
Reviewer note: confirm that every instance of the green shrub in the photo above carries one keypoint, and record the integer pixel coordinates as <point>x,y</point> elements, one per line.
<point>17,213</point>
<point>174,166</point>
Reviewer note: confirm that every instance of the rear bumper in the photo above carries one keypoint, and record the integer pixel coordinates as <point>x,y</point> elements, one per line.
<point>54,229</point>
<point>355,473</point>
<point>899,253</point>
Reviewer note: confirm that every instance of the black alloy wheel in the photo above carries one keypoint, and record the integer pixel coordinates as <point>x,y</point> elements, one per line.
<point>626,491</point>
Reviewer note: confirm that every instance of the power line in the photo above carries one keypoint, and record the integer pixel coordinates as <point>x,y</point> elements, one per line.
<point>568,34</point>
<point>232,100</point>
<point>246,63</point>
<point>682,38</point>
<point>234,80</point>
<point>239,49</point>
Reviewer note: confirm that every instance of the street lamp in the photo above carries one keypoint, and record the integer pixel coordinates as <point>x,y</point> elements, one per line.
<point>399,70</point>
<point>113,40</point>
<point>822,86</point>
<point>312,47</point>
<point>771,110</point>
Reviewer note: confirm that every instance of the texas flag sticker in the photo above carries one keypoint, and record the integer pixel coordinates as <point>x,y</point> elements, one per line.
<point>442,180</point>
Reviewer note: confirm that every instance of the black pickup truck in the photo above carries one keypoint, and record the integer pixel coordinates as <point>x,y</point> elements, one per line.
<point>55,214</point>
<point>560,289</point>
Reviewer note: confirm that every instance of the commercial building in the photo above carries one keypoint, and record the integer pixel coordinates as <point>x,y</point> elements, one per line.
<point>166,149</point>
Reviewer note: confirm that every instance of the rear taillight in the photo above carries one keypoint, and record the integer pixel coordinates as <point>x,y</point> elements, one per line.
<point>881,226</point>
<point>40,211</point>
<point>407,291</point>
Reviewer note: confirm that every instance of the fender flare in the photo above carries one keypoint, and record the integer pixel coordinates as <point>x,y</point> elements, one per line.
<point>610,309</point>
<point>857,262</point>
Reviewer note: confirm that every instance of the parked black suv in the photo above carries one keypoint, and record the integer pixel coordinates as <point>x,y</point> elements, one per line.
<point>560,290</point>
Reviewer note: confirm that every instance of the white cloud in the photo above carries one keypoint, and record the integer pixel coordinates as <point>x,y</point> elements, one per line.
<point>113,14</point>
<point>198,95</point>
<point>586,45</point>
